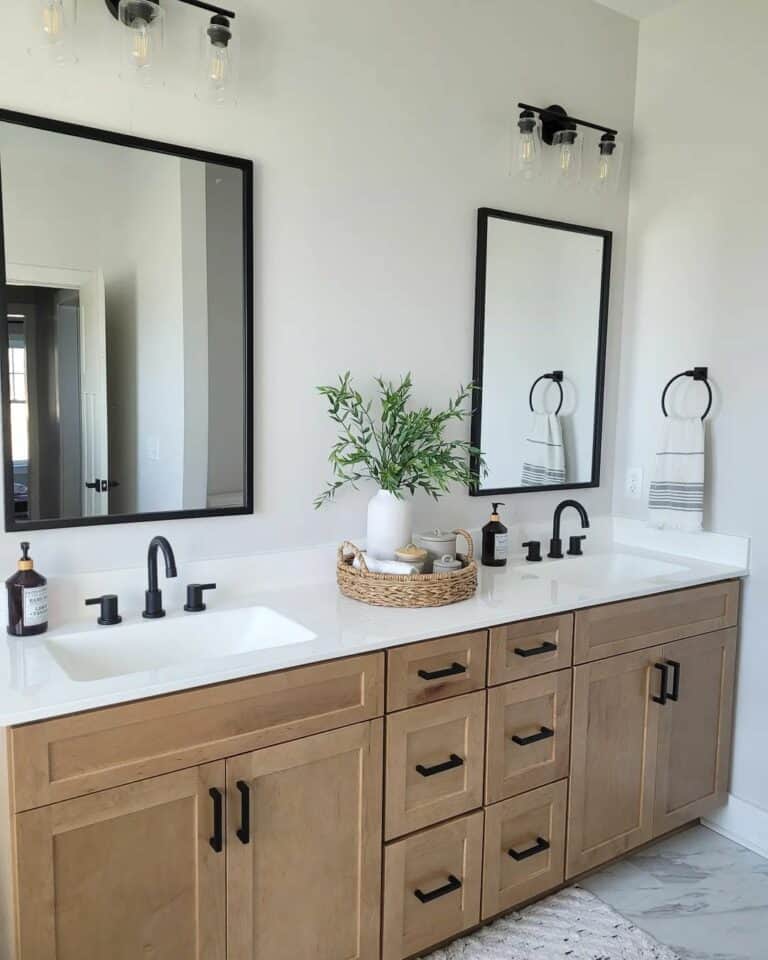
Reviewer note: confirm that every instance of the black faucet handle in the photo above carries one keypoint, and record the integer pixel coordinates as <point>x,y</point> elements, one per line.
<point>108,615</point>
<point>534,550</point>
<point>194,602</point>
<point>574,545</point>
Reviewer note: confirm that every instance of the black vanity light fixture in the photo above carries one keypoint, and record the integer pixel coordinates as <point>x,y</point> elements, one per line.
<point>553,126</point>
<point>142,40</point>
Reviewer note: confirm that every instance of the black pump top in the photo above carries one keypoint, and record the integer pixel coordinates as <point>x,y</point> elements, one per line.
<point>497,505</point>
<point>24,550</point>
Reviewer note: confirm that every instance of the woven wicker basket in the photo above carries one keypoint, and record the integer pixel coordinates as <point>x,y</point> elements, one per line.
<point>396,590</point>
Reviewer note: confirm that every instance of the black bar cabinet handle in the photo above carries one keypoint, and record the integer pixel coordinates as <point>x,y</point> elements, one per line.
<point>675,695</point>
<point>539,847</point>
<point>217,840</point>
<point>664,670</point>
<point>451,764</point>
<point>452,671</point>
<point>546,647</point>
<point>453,884</point>
<point>544,734</point>
<point>244,830</point>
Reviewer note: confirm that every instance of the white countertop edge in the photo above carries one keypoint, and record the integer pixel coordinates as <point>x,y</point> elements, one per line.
<point>344,628</point>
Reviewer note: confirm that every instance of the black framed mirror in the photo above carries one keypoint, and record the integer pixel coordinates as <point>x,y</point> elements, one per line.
<point>541,318</point>
<point>126,351</point>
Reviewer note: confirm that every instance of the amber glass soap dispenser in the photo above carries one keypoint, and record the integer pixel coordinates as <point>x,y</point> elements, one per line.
<point>495,540</point>
<point>27,599</point>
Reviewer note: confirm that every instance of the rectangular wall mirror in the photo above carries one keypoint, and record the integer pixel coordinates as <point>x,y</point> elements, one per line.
<point>126,351</point>
<point>539,359</point>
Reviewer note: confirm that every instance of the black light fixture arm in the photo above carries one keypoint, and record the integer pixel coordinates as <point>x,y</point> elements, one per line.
<point>210,7</point>
<point>558,116</point>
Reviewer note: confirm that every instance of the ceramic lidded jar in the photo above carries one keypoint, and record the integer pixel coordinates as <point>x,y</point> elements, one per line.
<point>415,556</point>
<point>438,544</point>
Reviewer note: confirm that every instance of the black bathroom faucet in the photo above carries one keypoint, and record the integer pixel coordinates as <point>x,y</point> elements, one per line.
<point>153,606</point>
<point>556,544</point>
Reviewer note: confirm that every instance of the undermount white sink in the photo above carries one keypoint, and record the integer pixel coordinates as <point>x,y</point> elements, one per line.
<point>607,568</point>
<point>154,644</point>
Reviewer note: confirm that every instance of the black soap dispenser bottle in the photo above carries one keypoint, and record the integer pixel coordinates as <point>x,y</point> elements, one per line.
<point>27,599</point>
<point>495,540</point>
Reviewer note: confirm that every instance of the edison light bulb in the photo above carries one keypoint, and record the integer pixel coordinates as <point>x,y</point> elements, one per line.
<point>217,66</point>
<point>568,147</point>
<point>53,20</point>
<point>607,161</point>
<point>142,43</point>
<point>528,146</point>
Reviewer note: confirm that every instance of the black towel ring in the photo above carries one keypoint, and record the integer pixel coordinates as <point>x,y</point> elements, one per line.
<point>556,377</point>
<point>698,373</point>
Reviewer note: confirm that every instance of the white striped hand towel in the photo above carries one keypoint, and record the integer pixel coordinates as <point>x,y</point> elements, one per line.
<point>544,454</point>
<point>676,498</point>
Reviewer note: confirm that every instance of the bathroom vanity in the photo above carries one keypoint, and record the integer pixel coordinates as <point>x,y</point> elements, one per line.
<point>373,805</point>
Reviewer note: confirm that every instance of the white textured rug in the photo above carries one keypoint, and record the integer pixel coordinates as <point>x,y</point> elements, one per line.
<point>571,925</point>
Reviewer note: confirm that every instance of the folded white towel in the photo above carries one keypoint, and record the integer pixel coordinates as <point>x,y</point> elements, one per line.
<point>544,454</point>
<point>385,566</point>
<point>676,499</point>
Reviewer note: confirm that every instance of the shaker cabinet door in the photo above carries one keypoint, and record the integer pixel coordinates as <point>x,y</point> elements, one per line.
<point>613,757</point>
<point>304,848</point>
<point>695,729</point>
<point>129,872</point>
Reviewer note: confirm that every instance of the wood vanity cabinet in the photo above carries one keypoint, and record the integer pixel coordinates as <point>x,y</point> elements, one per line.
<point>344,811</point>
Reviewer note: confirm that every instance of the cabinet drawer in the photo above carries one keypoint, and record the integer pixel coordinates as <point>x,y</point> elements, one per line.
<point>432,886</point>
<point>436,669</point>
<point>520,650</point>
<point>524,847</point>
<point>434,763</point>
<point>72,756</point>
<point>529,734</point>
<point>636,624</point>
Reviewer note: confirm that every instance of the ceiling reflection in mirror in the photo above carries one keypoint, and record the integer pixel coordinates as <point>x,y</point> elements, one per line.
<point>127,319</point>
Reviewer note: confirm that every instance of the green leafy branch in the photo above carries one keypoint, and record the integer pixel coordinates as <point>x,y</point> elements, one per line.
<point>398,448</point>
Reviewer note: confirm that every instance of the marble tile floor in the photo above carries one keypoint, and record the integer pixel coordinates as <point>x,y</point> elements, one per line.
<point>702,895</point>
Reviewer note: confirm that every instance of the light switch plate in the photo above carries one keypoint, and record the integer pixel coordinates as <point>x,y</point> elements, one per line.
<point>634,483</point>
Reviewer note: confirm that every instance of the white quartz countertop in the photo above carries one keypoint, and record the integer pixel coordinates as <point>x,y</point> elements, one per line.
<point>33,684</point>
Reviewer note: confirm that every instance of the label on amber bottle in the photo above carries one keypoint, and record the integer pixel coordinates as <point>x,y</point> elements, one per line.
<point>35,605</point>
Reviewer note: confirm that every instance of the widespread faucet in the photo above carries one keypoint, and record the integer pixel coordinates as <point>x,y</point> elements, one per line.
<point>556,544</point>
<point>153,606</point>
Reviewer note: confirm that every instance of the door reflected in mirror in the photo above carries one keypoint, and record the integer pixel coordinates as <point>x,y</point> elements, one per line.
<point>540,329</point>
<point>126,367</point>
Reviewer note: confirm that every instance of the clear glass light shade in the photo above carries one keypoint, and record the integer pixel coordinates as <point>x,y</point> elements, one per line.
<point>54,29</point>
<point>567,147</point>
<point>216,72</point>
<point>606,171</point>
<point>141,39</point>
<point>526,157</point>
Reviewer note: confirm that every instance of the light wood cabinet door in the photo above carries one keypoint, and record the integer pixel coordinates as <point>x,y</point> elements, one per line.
<point>529,734</point>
<point>695,729</point>
<point>613,757</point>
<point>435,759</point>
<point>304,848</point>
<point>126,873</point>
<point>524,847</point>
<point>527,649</point>
<point>435,669</point>
<point>432,886</point>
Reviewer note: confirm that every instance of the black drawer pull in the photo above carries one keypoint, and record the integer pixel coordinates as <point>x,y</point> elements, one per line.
<point>454,670</point>
<point>453,884</point>
<point>544,734</point>
<point>664,670</point>
<point>539,847</point>
<point>244,830</point>
<point>440,767</point>
<point>546,647</point>
<point>217,840</point>
<point>675,695</point>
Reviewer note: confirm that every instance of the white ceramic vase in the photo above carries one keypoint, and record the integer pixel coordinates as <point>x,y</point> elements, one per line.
<point>389,524</point>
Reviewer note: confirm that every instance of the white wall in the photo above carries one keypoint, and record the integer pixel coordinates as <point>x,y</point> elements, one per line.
<point>696,294</point>
<point>377,130</point>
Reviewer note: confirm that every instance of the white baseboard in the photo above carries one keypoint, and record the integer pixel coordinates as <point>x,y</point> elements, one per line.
<point>743,823</point>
